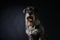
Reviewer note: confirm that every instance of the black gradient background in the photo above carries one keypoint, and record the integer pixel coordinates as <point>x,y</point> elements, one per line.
<point>12,19</point>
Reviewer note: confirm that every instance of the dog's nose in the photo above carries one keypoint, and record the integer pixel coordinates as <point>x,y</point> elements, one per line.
<point>30,13</point>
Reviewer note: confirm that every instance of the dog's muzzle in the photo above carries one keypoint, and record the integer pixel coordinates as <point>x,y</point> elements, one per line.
<point>30,19</point>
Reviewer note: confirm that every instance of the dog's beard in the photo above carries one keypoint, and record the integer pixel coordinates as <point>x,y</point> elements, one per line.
<point>30,24</point>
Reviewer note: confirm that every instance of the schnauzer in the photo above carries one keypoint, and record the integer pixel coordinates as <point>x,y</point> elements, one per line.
<point>32,23</point>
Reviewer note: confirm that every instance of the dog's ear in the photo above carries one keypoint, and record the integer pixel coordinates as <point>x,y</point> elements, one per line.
<point>24,11</point>
<point>37,22</point>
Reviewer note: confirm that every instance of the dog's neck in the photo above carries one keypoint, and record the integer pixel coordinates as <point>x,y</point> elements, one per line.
<point>30,26</point>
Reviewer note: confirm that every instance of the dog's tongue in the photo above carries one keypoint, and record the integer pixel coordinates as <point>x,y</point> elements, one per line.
<point>30,19</point>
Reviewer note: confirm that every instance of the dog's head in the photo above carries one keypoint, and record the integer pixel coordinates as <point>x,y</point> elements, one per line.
<point>29,15</point>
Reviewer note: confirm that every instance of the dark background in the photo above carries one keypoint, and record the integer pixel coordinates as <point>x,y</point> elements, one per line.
<point>12,18</point>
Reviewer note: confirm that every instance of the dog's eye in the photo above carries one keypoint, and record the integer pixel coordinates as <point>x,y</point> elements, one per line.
<point>30,9</point>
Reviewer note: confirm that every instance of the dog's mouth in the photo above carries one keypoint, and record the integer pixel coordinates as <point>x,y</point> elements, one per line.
<point>30,19</point>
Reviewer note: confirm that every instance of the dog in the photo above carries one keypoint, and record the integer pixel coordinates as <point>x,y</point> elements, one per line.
<point>32,24</point>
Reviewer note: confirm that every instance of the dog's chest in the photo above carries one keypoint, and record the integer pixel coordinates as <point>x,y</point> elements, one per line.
<point>31,30</point>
